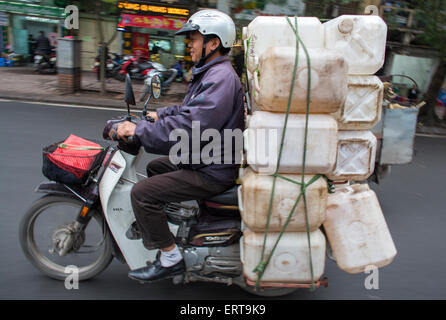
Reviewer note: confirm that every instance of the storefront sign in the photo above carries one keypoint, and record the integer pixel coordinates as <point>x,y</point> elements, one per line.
<point>127,43</point>
<point>157,22</point>
<point>141,8</point>
<point>44,20</point>
<point>31,9</point>
<point>140,44</point>
<point>175,2</point>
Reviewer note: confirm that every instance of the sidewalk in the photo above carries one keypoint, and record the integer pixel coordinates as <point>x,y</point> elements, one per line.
<point>22,83</point>
<point>437,131</point>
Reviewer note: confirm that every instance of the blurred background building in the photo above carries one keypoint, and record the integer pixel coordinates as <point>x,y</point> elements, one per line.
<point>147,28</point>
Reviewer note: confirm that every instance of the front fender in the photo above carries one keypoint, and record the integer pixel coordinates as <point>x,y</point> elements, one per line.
<point>56,188</point>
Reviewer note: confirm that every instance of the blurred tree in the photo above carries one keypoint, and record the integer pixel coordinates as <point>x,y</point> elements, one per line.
<point>101,8</point>
<point>433,14</point>
<point>61,3</point>
<point>260,4</point>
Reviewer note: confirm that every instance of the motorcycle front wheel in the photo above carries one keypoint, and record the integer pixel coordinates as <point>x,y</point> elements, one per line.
<point>47,221</point>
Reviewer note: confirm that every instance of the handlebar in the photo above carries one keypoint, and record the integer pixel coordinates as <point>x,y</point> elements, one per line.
<point>111,127</point>
<point>114,135</point>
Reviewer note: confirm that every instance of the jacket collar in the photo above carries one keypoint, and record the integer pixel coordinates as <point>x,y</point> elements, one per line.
<point>219,59</point>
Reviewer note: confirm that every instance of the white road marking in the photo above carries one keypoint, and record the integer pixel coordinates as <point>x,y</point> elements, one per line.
<point>71,105</point>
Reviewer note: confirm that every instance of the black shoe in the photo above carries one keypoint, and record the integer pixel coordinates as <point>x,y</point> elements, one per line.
<point>156,272</point>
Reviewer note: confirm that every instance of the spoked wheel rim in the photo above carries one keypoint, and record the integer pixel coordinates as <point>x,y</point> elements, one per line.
<point>37,240</point>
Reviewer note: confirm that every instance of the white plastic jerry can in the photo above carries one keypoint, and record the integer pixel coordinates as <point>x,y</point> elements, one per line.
<point>254,200</point>
<point>357,231</point>
<point>266,31</point>
<point>361,39</point>
<point>263,135</point>
<point>355,156</point>
<point>362,107</point>
<point>290,261</point>
<point>272,83</point>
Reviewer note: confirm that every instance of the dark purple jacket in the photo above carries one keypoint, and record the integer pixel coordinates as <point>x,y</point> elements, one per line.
<point>215,99</point>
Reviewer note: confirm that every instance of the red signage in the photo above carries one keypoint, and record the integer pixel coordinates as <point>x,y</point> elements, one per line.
<point>157,22</point>
<point>140,44</point>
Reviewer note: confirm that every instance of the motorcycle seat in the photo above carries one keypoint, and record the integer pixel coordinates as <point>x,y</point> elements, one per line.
<point>228,197</point>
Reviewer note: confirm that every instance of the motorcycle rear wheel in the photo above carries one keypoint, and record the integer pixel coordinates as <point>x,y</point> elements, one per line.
<point>56,270</point>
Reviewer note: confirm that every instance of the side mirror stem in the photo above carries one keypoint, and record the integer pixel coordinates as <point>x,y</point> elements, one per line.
<point>144,112</point>
<point>128,110</point>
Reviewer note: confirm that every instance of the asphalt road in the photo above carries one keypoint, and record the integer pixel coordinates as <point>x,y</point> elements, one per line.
<point>412,199</point>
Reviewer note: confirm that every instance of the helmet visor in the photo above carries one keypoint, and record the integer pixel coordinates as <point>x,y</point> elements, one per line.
<point>188,27</point>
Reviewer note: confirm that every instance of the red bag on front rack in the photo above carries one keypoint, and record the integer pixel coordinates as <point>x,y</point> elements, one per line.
<point>71,161</point>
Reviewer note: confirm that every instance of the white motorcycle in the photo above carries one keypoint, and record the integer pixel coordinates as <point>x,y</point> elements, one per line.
<point>89,225</point>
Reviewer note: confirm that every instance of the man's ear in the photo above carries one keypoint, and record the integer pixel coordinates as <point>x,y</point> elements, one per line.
<point>214,43</point>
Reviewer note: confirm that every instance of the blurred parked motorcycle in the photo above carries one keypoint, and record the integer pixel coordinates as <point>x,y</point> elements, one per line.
<point>166,76</point>
<point>45,63</point>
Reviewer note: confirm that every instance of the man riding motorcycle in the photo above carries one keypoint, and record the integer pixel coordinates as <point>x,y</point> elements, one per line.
<point>214,100</point>
<point>43,45</point>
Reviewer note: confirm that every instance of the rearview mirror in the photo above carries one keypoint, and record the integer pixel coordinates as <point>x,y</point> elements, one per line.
<point>156,86</point>
<point>129,97</point>
<point>153,87</point>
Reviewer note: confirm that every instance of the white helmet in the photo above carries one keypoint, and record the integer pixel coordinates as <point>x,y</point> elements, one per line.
<point>211,21</point>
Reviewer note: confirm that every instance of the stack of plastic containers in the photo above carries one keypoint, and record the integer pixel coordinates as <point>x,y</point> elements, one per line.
<point>361,40</point>
<point>270,47</point>
<point>345,102</point>
<point>355,225</point>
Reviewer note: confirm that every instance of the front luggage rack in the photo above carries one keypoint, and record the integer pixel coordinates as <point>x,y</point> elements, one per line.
<point>72,168</point>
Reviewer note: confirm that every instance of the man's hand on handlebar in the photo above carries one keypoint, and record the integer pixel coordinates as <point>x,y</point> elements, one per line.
<point>154,115</point>
<point>124,130</point>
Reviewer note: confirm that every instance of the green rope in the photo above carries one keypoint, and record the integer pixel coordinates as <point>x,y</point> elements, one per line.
<point>307,114</point>
<point>261,267</point>
<point>288,179</point>
<point>248,43</point>
<point>75,147</point>
<point>331,187</point>
<point>316,177</point>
